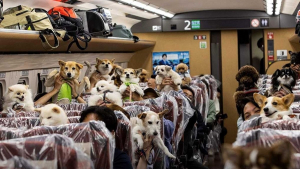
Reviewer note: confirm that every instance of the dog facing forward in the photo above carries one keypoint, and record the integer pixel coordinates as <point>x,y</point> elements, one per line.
<point>130,77</point>
<point>182,70</point>
<point>18,95</point>
<point>275,107</point>
<point>69,71</point>
<point>52,115</point>
<point>278,156</point>
<point>104,67</point>
<point>166,71</point>
<point>152,122</point>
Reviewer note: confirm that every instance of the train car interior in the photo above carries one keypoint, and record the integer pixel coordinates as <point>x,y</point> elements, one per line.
<point>149,84</point>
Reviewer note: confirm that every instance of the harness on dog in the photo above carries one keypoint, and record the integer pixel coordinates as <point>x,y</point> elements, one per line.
<point>185,74</point>
<point>104,96</point>
<point>142,153</point>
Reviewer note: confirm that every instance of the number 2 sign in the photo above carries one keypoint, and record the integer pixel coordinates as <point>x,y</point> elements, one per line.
<point>194,26</point>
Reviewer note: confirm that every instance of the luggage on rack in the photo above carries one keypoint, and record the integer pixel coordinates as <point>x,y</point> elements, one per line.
<point>1,10</point>
<point>67,19</point>
<point>122,32</point>
<point>25,18</point>
<point>94,22</point>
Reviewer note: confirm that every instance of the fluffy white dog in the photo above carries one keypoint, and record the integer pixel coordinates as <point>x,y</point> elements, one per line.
<point>16,96</point>
<point>166,71</point>
<point>104,88</point>
<point>52,115</point>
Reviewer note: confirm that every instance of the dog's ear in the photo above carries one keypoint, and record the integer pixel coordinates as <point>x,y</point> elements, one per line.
<point>259,99</point>
<point>168,68</point>
<point>27,86</point>
<point>38,110</point>
<point>290,52</point>
<point>119,71</point>
<point>80,66</point>
<point>232,154</point>
<point>288,99</point>
<point>113,60</point>
<point>282,150</point>
<point>177,68</point>
<point>156,67</point>
<point>142,116</point>
<point>10,89</point>
<point>98,61</point>
<point>61,63</point>
<point>276,73</point>
<point>138,72</point>
<point>56,110</point>
<point>161,114</point>
<point>186,67</point>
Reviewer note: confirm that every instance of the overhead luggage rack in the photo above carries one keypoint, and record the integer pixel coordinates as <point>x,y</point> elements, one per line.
<point>23,41</point>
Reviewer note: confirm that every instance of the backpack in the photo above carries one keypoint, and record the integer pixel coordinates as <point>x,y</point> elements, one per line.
<point>94,22</point>
<point>122,32</point>
<point>25,18</point>
<point>67,19</point>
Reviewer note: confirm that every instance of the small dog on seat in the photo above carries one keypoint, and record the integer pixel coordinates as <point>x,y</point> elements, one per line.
<point>166,71</point>
<point>182,70</point>
<point>52,115</point>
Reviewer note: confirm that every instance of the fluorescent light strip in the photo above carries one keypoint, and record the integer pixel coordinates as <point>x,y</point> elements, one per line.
<point>148,8</point>
<point>269,6</point>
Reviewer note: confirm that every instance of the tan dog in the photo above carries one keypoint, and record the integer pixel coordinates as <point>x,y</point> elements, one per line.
<point>275,107</point>
<point>151,123</point>
<point>182,70</point>
<point>115,76</point>
<point>104,67</point>
<point>276,157</point>
<point>130,78</point>
<point>144,76</point>
<point>69,71</point>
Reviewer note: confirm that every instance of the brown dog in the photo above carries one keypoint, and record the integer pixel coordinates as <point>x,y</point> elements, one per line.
<point>144,76</point>
<point>69,71</point>
<point>182,70</point>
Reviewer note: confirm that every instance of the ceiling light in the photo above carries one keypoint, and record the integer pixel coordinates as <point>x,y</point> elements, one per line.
<point>127,1</point>
<point>271,4</point>
<point>138,4</point>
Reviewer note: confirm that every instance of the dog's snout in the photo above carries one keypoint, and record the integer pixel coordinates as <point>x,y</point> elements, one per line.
<point>266,109</point>
<point>69,74</point>
<point>106,65</point>
<point>127,75</point>
<point>155,133</point>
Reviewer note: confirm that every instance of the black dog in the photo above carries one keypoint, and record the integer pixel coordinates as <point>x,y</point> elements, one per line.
<point>295,59</point>
<point>285,77</point>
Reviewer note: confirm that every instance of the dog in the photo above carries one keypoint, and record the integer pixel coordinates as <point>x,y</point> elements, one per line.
<point>144,76</point>
<point>295,59</point>
<point>275,107</point>
<point>69,71</point>
<point>283,78</point>
<point>18,95</point>
<point>104,67</point>
<point>115,76</point>
<point>152,122</point>
<point>130,77</point>
<point>52,115</point>
<point>166,71</point>
<point>277,156</point>
<point>182,70</point>
<point>105,89</point>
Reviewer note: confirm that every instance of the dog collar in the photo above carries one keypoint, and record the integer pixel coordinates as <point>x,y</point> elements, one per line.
<point>128,83</point>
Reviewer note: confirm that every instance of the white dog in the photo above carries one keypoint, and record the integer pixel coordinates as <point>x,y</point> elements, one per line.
<point>138,132</point>
<point>109,90</point>
<point>151,122</point>
<point>166,71</point>
<point>130,77</point>
<point>52,115</point>
<point>18,95</point>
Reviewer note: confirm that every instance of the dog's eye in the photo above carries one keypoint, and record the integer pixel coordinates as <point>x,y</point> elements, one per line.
<point>274,103</point>
<point>149,122</point>
<point>49,117</point>
<point>157,122</point>
<point>73,68</point>
<point>162,70</point>
<point>66,68</point>
<point>266,102</point>
<point>103,63</point>
<point>18,93</point>
<point>102,86</point>
<point>131,72</point>
<point>108,63</point>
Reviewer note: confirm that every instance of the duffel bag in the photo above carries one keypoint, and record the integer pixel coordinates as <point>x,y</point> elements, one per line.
<point>94,22</point>
<point>122,32</point>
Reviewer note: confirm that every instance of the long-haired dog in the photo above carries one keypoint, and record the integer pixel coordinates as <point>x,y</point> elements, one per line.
<point>130,78</point>
<point>104,90</point>
<point>115,76</point>
<point>52,115</point>
<point>69,71</point>
<point>277,156</point>
<point>182,70</point>
<point>152,124</point>
<point>284,78</point>
<point>144,76</point>
<point>18,95</point>
<point>275,107</point>
<point>104,67</point>
<point>166,71</point>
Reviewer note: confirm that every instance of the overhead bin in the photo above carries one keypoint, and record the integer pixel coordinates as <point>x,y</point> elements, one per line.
<point>22,41</point>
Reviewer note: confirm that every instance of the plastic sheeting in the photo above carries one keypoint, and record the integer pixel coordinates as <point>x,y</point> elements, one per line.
<point>93,138</point>
<point>16,163</point>
<point>202,100</point>
<point>47,151</point>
